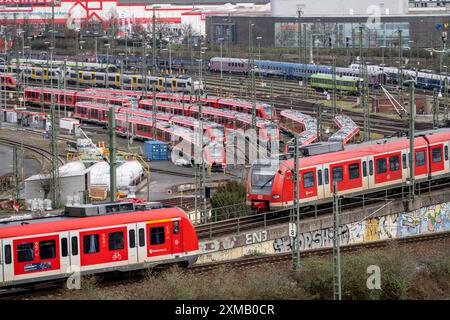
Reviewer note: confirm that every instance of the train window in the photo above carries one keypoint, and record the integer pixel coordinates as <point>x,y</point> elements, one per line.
<point>446,152</point>
<point>157,235</point>
<point>364,166</point>
<point>338,174</point>
<point>47,249</point>
<point>116,241</point>
<point>420,158</point>
<point>132,238</point>
<point>308,179</point>
<point>91,244</point>
<point>353,170</point>
<point>8,256</point>
<point>99,77</point>
<point>319,177</point>
<point>394,163</point>
<point>436,155</point>
<point>327,176</point>
<point>74,242</point>
<point>404,160</point>
<point>371,167</point>
<point>381,165</point>
<point>141,237</point>
<point>176,227</point>
<point>25,252</point>
<point>111,78</point>
<point>64,247</point>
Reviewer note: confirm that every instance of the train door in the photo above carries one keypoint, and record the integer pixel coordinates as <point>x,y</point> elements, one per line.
<point>405,164</point>
<point>161,83</point>
<point>326,181</point>
<point>174,84</point>
<point>320,182</point>
<point>370,172</point>
<point>177,237</point>
<point>159,238</point>
<point>45,73</point>
<point>141,242</point>
<point>1,261</point>
<point>80,77</point>
<point>134,82</point>
<point>74,251</point>
<point>132,245</point>
<point>117,84</point>
<point>64,252</point>
<point>33,73</point>
<point>7,260</point>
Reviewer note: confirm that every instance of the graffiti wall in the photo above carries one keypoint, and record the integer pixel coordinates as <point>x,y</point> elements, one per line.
<point>433,218</point>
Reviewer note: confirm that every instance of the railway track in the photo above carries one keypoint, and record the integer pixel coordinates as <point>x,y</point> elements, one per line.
<point>244,262</point>
<point>374,200</point>
<point>282,257</point>
<point>47,155</point>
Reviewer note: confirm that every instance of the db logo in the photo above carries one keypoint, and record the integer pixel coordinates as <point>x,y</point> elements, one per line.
<point>176,242</point>
<point>117,256</point>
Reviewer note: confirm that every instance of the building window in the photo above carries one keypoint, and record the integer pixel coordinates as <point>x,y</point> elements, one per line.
<point>157,236</point>
<point>115,240</point>
<point>91,244</point>
<point>47,249</point>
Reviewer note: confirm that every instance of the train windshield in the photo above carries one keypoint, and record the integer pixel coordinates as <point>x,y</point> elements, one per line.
<point>268,111</point>
<point>262,177</point>
<point>271,129</point>
<point>215,150</point>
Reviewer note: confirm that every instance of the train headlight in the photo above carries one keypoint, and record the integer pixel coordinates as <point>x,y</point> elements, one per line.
<point>276,196</point>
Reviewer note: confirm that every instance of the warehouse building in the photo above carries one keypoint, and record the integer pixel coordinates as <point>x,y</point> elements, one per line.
<point>334,23</point>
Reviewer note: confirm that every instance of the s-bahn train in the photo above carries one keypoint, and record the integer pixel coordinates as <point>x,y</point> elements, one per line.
<point>8,81</point>
<point>289,70</point>
<point>101,78</point>
<point>89,239</point>
<point>357,169</point>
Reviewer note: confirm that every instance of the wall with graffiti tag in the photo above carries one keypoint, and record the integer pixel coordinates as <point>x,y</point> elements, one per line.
<point>433,218</point>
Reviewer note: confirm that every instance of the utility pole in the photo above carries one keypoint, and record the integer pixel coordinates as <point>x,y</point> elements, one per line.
<point>435,109</point>
<point>154,67</point>
<point>54,145</point>
<point>154,111</point>
<point>412,115</point>
<point>252,73</point>
<point>112,152</point>
<point>446,100</point>
<point>365,104</point>
<point>16,174</point>
<point>296,209</point>
<point>400,67</point>
<point>144,65</point>
<point>334,88</point>
<point>336,245</point>
<point>319,121</point>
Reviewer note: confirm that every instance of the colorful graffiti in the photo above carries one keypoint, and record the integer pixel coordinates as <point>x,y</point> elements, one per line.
<point>424,220</point>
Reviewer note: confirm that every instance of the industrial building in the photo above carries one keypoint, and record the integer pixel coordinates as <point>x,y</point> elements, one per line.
<point>334,23</point>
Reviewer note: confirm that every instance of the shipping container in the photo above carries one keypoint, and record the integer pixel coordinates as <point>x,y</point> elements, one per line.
<point>156,150</point>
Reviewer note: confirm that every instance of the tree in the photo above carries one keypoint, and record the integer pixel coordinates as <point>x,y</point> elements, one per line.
<point>229,201</point>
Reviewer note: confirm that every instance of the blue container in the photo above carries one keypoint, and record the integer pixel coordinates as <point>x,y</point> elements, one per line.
<point>156,150</point>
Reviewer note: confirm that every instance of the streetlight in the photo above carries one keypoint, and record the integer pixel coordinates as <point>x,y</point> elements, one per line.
<point>259,47</point>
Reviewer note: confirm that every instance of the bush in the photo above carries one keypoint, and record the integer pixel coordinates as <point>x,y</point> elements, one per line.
<point>229,201</point>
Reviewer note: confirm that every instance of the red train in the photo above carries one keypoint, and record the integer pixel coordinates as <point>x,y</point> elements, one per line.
<point>263,110</point>
<point>95,238</point>
<point>357,169</point>
<point>140,123</point>
<point>8,81</point>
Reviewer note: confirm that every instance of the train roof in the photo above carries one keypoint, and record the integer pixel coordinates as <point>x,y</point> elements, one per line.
<point>372,147</point>
<point>65,223</point>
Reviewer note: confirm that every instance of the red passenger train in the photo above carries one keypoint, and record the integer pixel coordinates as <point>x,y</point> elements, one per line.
<point>8,81</point>
<point>95,238</point>
<point>357,169</point>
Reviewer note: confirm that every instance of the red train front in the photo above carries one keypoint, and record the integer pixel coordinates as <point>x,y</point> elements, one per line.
<point>357,169</point>
<point>96,238</point>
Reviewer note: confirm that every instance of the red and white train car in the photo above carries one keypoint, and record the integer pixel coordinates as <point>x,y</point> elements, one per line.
<point>8,81</point>
<point>40,95</point>
<point>95,238</point>
<point>357,169</point>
